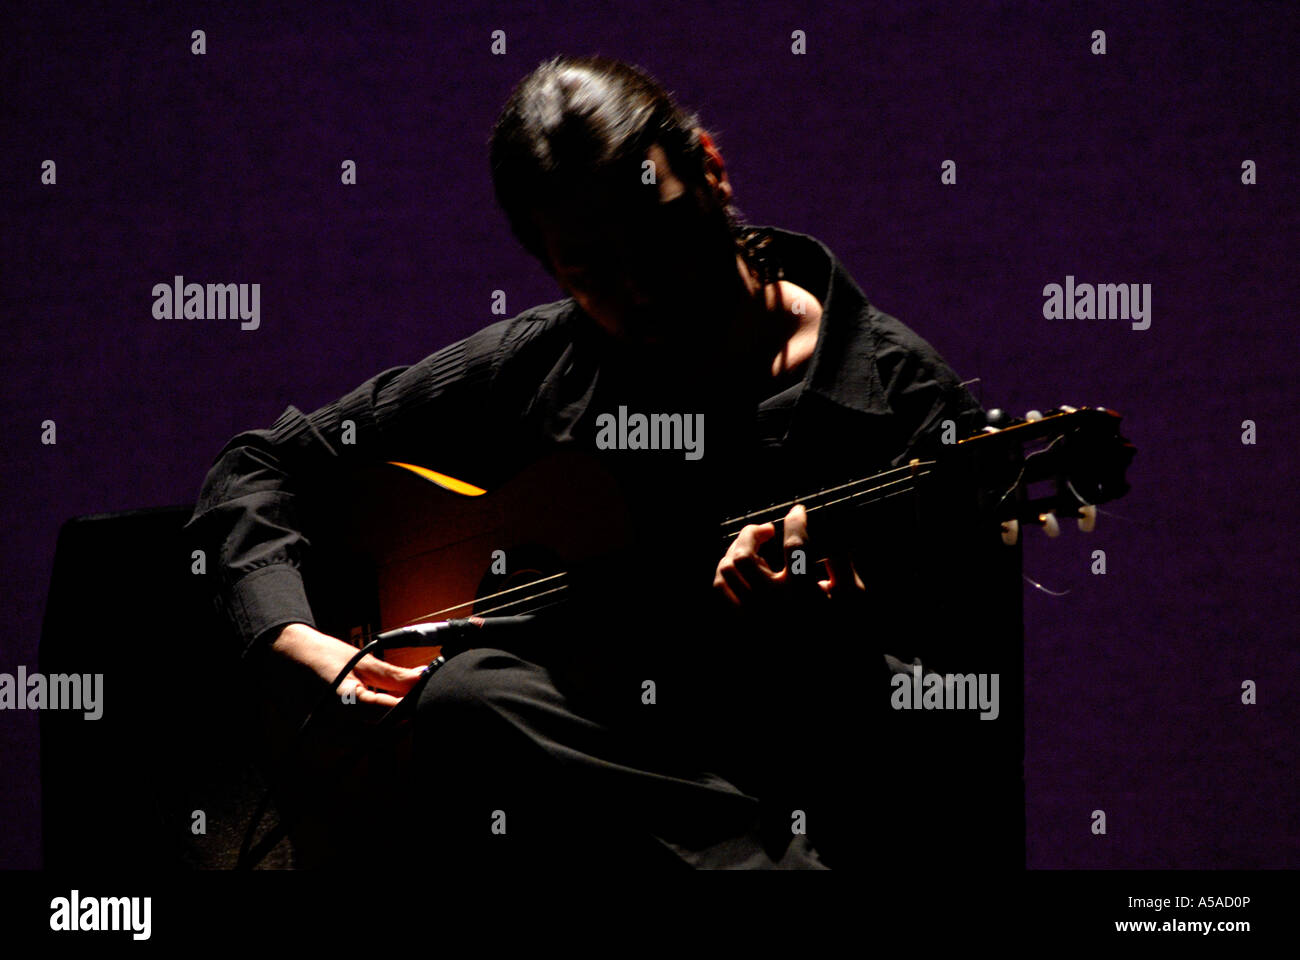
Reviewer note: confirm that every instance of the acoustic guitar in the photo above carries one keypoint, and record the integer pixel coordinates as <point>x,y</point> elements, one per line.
<point>437,548</point>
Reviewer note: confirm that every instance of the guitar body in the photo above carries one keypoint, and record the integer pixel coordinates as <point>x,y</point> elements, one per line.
<point>436,554</point>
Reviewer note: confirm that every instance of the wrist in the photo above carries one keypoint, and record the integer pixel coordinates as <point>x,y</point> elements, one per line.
<point>292,637</point>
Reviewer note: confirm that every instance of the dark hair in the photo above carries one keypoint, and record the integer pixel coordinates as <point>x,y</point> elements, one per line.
<point>575,120</point>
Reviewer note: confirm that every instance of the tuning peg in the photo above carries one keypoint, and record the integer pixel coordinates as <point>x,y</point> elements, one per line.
<point>1087,518</point>
<point>1050,525</point>
<point>997,417</point>
<point>1067,409</point>
<point>1032,415</point>
<point>1010,532</point>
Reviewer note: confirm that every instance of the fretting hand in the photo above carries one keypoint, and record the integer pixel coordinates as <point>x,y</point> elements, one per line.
<point>746,580</point>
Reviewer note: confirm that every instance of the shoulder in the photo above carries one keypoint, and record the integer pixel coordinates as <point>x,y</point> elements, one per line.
<point>920,389</point>
<point>896,355</point>
<point>903,357</point>
<point>496,350</point>
<point>545,329</point>
<point>530,347</point>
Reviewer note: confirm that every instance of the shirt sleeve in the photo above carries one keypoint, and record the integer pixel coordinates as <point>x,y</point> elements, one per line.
<point>249,518</point>
<point>923,394</point>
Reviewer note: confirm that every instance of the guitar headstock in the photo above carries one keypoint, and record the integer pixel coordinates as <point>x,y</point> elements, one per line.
<point>1059,463</point>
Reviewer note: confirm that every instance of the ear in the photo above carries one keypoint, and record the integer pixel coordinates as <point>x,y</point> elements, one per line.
<point>715,168</point>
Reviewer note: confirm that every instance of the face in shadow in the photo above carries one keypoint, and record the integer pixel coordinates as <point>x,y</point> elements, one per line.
<point>652,264</point>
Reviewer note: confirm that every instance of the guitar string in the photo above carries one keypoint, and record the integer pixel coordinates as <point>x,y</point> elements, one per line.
<point>732,534</point>
<point>1082,502</point>
<point>1023,465</point>
<point>778,507</point>
<point>877,500</point>
<point>910,467</point>
<point>536,596</point>
<point>1109,513</point>
<point>563,574</point>
<point>913,471</point>
<point>1038,586</point>
<point>1032,582</point>
<point>564,587</point>
<point>490,596</point>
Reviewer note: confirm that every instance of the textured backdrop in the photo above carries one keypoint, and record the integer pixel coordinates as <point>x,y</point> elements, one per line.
<point>1122,168</point>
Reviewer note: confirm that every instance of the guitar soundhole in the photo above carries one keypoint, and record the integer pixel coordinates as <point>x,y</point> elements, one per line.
<point>505,588</point>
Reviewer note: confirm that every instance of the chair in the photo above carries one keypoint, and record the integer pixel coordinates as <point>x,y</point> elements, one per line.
<point>175,730</point>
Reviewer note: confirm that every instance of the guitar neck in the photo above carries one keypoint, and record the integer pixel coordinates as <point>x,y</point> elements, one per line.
<point>855,495</point>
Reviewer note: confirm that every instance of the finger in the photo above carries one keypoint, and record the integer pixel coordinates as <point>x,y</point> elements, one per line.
<point>366,695</point>
<point>726,590</point>
<point>753,571</point>
<point>369,707</point>
<point>841,574</point>
<point>355,690</point>
<point>837,568</point>
<point>796,533</point>
<point>752,537</point>
<point>744,555</point>
<point>735,582</point>
<point>388,676</point>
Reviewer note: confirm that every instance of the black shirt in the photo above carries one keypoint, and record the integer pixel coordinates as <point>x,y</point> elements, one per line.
<point>873,395</point>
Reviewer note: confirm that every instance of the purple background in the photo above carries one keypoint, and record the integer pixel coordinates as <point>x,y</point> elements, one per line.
<point>1115,168</point>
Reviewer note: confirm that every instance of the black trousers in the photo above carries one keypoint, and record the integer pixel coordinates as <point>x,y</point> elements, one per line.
<point>519,764</point>
<point>502,762</point>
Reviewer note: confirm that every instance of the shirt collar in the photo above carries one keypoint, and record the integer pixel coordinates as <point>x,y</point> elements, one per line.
<point>843,368</point>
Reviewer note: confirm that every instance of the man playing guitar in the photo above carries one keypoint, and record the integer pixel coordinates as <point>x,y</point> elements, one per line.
<point>707,708</point>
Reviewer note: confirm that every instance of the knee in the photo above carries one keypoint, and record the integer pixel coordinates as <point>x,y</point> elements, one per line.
<point>472,680</point>
<point>471,735</point>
